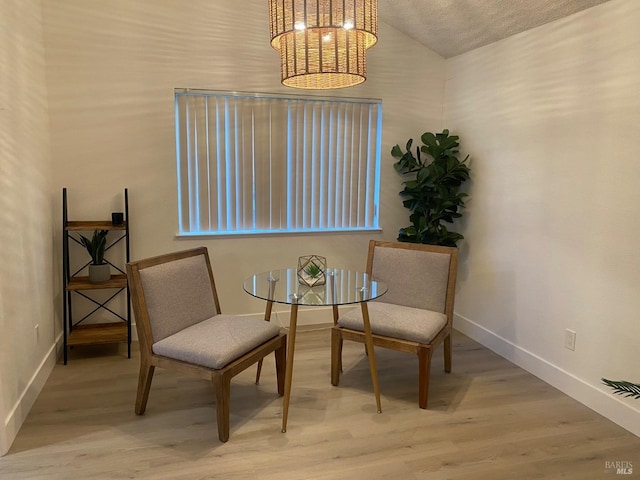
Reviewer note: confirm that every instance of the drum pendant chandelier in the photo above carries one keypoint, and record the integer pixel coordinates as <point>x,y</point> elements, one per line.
<point>323,43</point>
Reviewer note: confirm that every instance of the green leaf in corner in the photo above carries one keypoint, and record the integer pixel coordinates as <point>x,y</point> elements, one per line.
<point>622,387</point>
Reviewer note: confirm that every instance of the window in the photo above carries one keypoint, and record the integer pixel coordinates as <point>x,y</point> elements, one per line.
<point>258,163</point>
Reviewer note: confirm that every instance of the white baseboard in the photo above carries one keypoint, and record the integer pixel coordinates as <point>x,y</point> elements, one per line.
<point>604,403</point>
<point>20,410</point>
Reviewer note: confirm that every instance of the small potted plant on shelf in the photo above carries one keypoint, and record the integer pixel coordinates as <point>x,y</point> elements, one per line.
<point>99,270</point>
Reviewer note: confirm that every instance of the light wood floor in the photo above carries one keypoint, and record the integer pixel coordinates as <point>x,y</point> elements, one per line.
<point>488,419</point>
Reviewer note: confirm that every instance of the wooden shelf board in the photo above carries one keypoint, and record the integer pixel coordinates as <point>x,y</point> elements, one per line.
<point>98,333</point>
<point>82,283</point>
<point>89,225</point>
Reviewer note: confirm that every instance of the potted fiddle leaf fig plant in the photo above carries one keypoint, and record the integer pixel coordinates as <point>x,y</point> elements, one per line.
<point>432,188</point>
<point>99,270</point>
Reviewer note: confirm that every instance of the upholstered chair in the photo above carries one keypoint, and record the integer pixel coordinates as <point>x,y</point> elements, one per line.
<point>416,313</point>
<point>180,327</point>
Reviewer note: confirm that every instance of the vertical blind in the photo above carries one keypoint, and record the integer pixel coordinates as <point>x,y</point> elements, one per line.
<point>256,163</point>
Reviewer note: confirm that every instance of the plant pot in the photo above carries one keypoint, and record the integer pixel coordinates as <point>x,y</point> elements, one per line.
<point>99,273</point>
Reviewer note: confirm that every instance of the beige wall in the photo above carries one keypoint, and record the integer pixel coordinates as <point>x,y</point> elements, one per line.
<point>112,67</point>
<point>27,296</point>
<point>552,120</point>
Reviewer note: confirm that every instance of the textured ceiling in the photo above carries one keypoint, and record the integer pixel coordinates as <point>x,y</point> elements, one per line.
<point>452,27</point>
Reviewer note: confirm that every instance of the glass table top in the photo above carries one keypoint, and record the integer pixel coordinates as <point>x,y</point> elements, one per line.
<point>341,287</point>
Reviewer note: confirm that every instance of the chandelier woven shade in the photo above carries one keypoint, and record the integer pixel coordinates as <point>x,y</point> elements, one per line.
<point>323,43</point>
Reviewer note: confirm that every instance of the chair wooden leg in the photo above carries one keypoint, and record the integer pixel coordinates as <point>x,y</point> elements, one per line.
<point>222,385</point>
<point>258,371</point>
<point>281,364</point>
<point>424,366</point>
<point>144,385</point>
<point>267,318</point>
<point>447,354</point>
<point>336,356</point>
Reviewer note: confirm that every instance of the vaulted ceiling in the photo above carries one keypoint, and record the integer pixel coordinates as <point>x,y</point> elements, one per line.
<point>452,27</point>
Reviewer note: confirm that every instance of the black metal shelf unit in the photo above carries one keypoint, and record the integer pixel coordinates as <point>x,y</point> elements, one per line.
<point>75,283</point>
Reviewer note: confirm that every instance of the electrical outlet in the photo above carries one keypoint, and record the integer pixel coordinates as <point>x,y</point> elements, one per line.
<point>37,332</point>
<point>569,339</point>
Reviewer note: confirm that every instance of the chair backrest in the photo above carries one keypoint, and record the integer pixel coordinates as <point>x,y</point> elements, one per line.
<point>417,275</point>
<point>171,292</point>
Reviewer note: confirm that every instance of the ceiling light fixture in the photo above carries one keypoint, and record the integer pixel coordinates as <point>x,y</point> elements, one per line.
<point>323,43</point>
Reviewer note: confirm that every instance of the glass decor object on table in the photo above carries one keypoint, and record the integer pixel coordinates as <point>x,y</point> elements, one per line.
<point>340,287</point>
<point>312,270</point>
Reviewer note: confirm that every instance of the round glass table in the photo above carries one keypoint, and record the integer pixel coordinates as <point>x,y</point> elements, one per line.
<point>340,287</point>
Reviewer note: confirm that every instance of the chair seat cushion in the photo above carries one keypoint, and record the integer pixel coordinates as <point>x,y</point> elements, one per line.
<point>217,341</point>
<point>397,321</point>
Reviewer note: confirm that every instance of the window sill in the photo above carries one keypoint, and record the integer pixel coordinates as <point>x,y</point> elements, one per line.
<point>272,233</point>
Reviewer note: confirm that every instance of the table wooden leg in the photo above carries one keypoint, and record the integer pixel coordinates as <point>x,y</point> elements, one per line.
<point>267,318</point>
<point>291,340</point>
<point>371,354</point>
<point>336,316</point>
